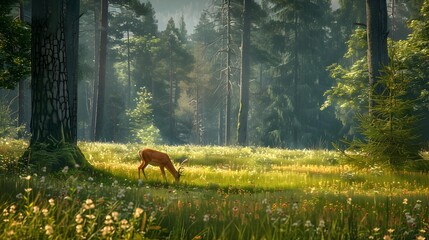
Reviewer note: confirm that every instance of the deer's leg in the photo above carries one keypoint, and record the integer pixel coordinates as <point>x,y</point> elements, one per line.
<point>163,173</point>
<point>142,166</point>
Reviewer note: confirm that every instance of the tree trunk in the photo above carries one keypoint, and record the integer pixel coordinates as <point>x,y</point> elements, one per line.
<point>72,46</point>
<point>96,63</point>
<point>21,94</point>
<point>49,86</point>
<point>102,72</point>
<point>376,18</point>
<point>51,144</point>
<point>244,76</point>
<point>228,75</point>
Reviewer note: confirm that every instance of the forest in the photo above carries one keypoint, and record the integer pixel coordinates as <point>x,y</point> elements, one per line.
<point>275,119</point>
<point>288,74</point>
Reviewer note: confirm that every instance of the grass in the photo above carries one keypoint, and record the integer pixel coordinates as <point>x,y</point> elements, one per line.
<point>226,193</point>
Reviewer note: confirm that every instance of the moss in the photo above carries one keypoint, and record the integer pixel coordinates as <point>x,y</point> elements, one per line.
<point>54,157</point>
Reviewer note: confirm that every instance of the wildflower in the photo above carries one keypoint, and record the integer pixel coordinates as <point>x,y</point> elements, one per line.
<point>349,201</point>
<point>42,179</point>
<point>390,230</point>
<point>88,204</point>
<point>107,230</point>
<point>76,165</point>
<point>376,229</point>
<point>5,212</point>
<point>51,202</point>
<point>65,169</point>
<point>206,217</point>
<point>90,216</point>
<point>420,238</point>
<point>27,190</point>
<point>130,205</point>
<point>321,223</point>
<point>124,224</point>
<point>49,230</point>
<point>90,179</point>
<point>418,206</point>
<point>152,216</point>
<point>108,220</point>
<point>410,219</point>
<point>295,206</point>
<point>264,201</point>
<point>12,209</point>
<point>140,183</point>
<point>387,237</point>
<point>138,212</point>
<point>19,196</point>
<point>295,224</point>
<point>43,169</point>
<point>121,193</point>
<point>101,185</point>
<point>36,209</point>
<point>192,217</point>
<point>115,215</point>
<point>11,233</point>
<point>79,228</point>
<point>78,218</point>
<point>308,224</point>
<point>45,212</point>
<point>27,177</point>
<point>405,201</point>
<point>422,231</point>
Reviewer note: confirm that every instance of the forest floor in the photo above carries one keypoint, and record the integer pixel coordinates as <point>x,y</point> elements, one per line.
<point>225,193</point>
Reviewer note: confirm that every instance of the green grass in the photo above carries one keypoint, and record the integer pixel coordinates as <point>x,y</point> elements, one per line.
<point>226,193</point>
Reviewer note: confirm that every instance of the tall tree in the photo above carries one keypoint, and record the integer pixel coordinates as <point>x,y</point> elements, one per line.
<point>245,75</point>
<point>227,6</point>
<point>376,20</point>
<point>99,124</point>
<point>52,143</point>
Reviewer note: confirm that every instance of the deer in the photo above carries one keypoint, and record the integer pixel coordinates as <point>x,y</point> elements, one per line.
<point>160,159</point>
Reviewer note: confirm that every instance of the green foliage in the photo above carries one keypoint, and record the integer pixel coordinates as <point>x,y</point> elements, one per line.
<point>14,48</point>
<point>349,94</point>
<point>391,130</point>
<point>8,125</point>
<point>141,120</point>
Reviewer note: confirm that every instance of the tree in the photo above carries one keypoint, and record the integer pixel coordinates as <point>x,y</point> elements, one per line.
<point>245,75</point>
<point>141,118</point>
<point>376,21</point>
<point>99,107</point>
<point>52,143</point>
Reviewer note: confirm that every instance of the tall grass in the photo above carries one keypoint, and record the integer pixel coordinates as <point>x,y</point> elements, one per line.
<point>226,193</point>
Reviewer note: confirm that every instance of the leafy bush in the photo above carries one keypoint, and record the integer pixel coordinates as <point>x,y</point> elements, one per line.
<point>8,125</point>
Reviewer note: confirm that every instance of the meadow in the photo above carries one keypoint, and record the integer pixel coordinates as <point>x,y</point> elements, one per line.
<point>226,193</point>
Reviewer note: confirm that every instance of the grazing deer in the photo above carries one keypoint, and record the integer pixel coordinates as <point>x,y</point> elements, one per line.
<point>160,159</point>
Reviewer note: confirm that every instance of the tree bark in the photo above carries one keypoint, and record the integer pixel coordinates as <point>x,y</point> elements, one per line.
<point>72,45</point>
<point>49,83</point>
<point>102,72</point>
<point>244,76</point>
<point>376,18</point>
